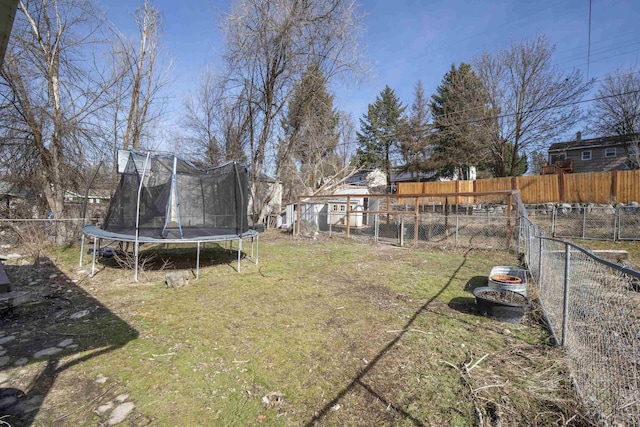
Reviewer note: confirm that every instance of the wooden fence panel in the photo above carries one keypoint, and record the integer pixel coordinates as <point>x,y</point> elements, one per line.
<point>588,187</point>
<point>492,184</point>
<point>538,188</point>
<point>594,187</point>
<point>411,187</point>
<point>628,186</point>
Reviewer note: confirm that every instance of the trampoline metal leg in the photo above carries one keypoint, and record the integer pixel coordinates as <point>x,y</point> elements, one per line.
<point>81,250</point>
<point>96,242</point>
<point>257,247</point>
<point>198,261</point>
<point>135,260</point>
<point>239,252</point>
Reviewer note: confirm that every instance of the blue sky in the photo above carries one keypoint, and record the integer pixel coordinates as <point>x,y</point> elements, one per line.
<point>408,40</point>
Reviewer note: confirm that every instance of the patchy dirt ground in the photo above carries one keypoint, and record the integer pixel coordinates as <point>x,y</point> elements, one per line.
<point>330,333</point>
<point>56,326</point>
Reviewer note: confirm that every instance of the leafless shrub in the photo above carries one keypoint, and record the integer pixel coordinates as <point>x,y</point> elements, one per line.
<point>34,238</point>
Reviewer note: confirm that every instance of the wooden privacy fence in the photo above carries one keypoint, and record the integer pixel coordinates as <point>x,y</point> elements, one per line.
<point>594,187</point>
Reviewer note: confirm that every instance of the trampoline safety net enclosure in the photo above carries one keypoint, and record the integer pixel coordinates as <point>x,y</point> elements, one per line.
<point>166,199</point>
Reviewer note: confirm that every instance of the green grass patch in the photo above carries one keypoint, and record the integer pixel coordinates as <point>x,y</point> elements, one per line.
<point>332,332</point>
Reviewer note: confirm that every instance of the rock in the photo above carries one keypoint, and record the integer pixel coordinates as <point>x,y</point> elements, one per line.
<point>3,377</point>
<point>177,279</point>
<point>66,343</point>
<point>3,352</point>
<point>101,379</point>
<point>122,397</point>
<point>79,314</point>
<point>104,408</point>
<point>5,340</point>
<point>21,362</point>
<point>13,256</point>
<point>120,413</point>
<point>4,360</point>
<point>52,276</point>
<point>47,352</point>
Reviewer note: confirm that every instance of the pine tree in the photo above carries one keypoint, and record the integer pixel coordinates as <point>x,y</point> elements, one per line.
<point>458,110</point>
<point>310,127</point>
<point>415,144</point>
<point>380,133</point>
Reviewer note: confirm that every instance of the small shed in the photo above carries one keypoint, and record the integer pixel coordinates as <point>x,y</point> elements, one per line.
<point>337,207</point>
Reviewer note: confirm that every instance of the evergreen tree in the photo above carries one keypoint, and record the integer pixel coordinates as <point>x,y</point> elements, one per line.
<point>458,110</point>
<point>505,157</point>
<point>310,128</point>
<point>380,133</point>
<point>415,144</point>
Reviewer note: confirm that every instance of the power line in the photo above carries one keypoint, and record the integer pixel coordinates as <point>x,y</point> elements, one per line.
<point>501,116</point>
<point>589,41</point>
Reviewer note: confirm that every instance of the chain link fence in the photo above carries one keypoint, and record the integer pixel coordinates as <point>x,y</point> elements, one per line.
<point>39,232</point>
<point>587,221</point>
<point>407,220</point>
<point>592,307</point>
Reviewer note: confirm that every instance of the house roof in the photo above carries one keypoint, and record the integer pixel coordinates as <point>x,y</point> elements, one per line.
<point>93,194</point>
<point>410,176</point>
<point>581,144</point>
<point>346,190</point>
<point>11,189</point>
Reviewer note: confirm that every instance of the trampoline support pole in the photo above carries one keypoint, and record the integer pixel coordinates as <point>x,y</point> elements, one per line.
<point>198,261</point>
<point>257,247</point>
<point>239,252</point>
<point>81,249</point>
<point>93,262</point>
<point>135,260</point>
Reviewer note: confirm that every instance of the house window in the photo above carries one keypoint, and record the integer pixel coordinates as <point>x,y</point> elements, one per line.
<point>610,152</point>
<point>343,208</point>
<point>586,155</point>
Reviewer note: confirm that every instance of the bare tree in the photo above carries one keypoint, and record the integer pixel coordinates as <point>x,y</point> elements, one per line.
<point>347,138</point>
<point>51,90</point>
<point>202,112</point>
<point>268,47</point>
<point>146,80</point>
<point>214,126</point>
<point>616,110</point>
<point>531,102</point>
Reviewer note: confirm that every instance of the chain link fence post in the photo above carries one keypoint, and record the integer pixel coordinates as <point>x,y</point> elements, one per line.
<point>565,305</point>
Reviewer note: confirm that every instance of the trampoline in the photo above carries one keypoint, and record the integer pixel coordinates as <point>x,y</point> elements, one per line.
<point>166,199</point>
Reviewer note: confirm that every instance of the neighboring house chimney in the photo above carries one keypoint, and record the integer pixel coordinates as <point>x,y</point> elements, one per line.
<point>578,136</point>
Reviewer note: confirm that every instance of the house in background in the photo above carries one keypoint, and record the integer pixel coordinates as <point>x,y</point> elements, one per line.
<point>591,155</point>
<point>94,196</point>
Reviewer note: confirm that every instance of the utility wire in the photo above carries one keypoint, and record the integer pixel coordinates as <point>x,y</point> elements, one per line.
<point>431,127</point>
<point>589,41</point>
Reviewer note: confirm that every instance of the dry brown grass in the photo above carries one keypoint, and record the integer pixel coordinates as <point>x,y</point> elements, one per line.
<point>329,331</point>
